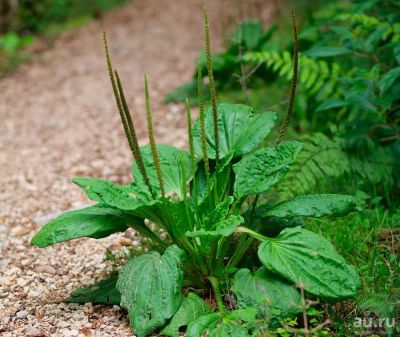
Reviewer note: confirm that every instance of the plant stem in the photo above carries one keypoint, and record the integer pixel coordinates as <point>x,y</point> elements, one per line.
<point>252,233</point>
<point>244,243</point>
<point>203,136</point>
<point>241,249</point>
<point>201,264</point>
<point>213,254</point>
<point>223,245</point>
<point>191,148</point>
<point>217,292</point>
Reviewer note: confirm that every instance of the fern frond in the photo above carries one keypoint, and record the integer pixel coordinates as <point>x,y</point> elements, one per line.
<point>321,158</point>
<point>317,77</point>
<point>324,161</point>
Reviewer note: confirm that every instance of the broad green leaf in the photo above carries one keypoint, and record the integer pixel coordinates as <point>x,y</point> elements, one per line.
<point>246,314</point>
<point>259,171</point>
<point>218,180</point>
<point>271,226</point>
<point>192,307</point>
<point>217,214</point>
<point>222,324</point>
<point>201,325</point>
<point>132,198</point>
<point>95,222</point>
<point>103,292</point>
<point>129,197</point>
<point>316,206</point>
<point>266,292</point>
<point>308,259</point>
<point>151,288</point>
<point>223,228</point>
<point>175,165</point>
<point>240,130</point>
<point>178,217</point>
<point>230,329</point>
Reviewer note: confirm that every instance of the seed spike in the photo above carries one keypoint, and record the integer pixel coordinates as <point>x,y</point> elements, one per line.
<point>190,135</point>
<point>293,84</point>
<point>203,136</point>
<point>151,137</point>
<point>213,95</point>
<point>213,92</point>
<point>114,86</point>
<point>132,138</point>
<point>191,144</point>
<point>125,115</point>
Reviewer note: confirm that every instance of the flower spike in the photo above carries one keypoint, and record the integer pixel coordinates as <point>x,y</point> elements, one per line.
<point>125,115</point>
<point>203,137</point>
<point>151,137</point>
<point>213,92</point>
<point>293,84</point>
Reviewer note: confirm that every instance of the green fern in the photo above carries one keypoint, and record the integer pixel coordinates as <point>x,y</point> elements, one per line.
<point>319,159</point>
<point>318,77</point>
<point>323,161</point>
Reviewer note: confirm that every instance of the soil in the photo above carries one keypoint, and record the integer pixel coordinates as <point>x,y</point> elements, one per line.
<point>58,120</point>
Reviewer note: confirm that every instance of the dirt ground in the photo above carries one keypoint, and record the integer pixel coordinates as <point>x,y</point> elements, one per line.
<point>58,120</point>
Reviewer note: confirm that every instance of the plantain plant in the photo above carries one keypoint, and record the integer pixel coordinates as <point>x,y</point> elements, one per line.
<point>213,211</point>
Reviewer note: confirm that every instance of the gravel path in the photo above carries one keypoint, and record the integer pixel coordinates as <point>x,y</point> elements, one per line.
<point>58,120</point>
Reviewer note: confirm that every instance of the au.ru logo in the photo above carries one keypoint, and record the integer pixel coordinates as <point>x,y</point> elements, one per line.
<point>374,323</point>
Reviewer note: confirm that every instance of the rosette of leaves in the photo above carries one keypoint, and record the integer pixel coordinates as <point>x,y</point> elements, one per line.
<point>206,201</point>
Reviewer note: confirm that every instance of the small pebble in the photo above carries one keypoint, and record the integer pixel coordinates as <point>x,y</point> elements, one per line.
<point>46,269</point>
<point>22,314</point>
<point>22,282</point>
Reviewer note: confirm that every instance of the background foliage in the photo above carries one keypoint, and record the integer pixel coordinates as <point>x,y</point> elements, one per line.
<point>347,114</point>
<point>22,21</point>
<point>349,89</point>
